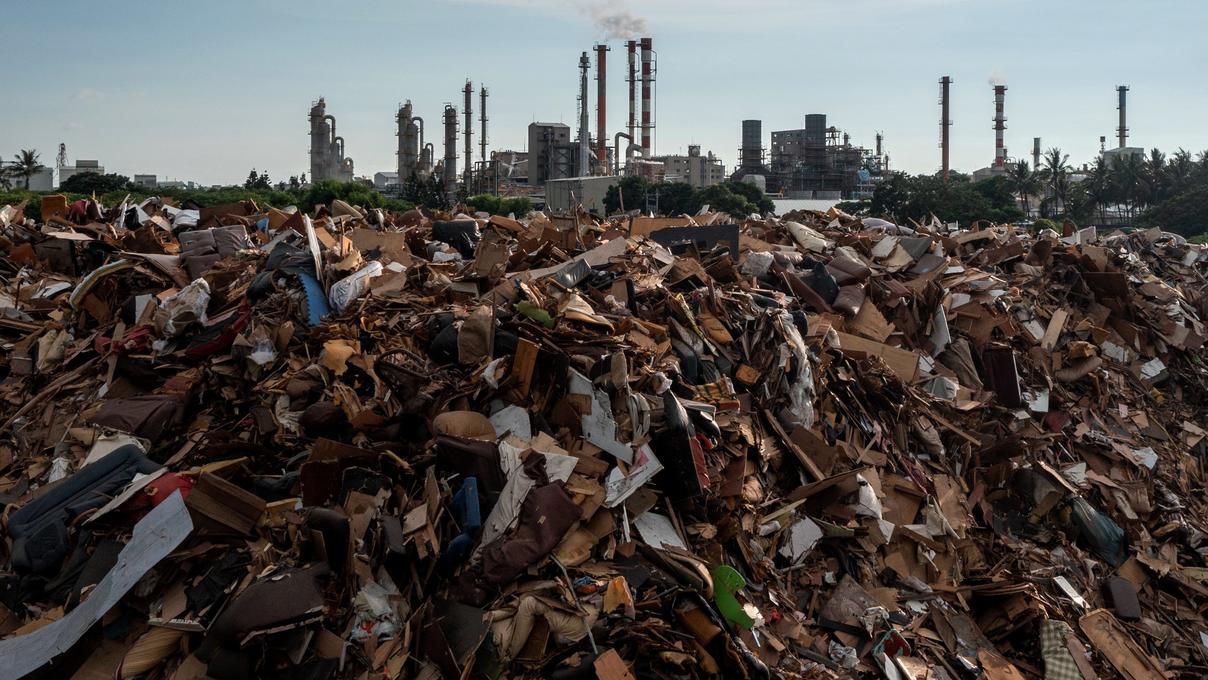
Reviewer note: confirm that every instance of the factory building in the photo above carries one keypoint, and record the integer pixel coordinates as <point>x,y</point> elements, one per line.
<point>815,161</point>
<point>551,153</point>
<point>327,159</point>
<point>66,171</point>
<point>694,169</point>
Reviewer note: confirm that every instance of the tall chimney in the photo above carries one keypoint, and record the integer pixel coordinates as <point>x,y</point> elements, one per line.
<point>482,118</point>
<point>468,92</point>
<point>632,46</point>
<point>880,139</point>
<point>601,106</point>
<point>450,167</point>
<point>1122,131</point>
<point>1000,124</point>
<point>1035,153</point>
<point>647,87</point>
<point>1102,144</point>
<point>584,143</point>
<point>945,124</point>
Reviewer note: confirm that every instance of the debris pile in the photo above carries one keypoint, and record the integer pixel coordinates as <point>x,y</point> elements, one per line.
<point>248,443</point>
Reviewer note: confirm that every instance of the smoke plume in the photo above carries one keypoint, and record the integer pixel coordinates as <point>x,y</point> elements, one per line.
<point>614,20</point>
<point>997,78</point>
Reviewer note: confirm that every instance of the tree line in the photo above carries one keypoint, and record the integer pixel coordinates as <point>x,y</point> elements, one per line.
<point>1153,189</point>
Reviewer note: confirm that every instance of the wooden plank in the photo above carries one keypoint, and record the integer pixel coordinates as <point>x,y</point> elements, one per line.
<point>524,363</point>
<point>1053,332</point>
<point>903,362</point>
<point>225,503</point>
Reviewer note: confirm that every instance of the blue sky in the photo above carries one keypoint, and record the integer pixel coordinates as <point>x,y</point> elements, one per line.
<point>207,90</point>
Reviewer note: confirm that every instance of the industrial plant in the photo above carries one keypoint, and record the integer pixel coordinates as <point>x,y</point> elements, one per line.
<point>563,165</point>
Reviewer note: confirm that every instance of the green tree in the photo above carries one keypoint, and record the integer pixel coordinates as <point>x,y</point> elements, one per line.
<point>1056,174</point>
<point>678,198</point>
<point>629,192</point>
<point>721,197</point>
<point>1023,182</point>
<point>257,181</point>
<point>1185,214</point>
<point>753,194</point>
<point>428,192</point>
<point>93,182</point>
<point>27,165</point>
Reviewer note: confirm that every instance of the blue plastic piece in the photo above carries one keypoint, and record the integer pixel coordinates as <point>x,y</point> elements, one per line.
<point>316,300</point>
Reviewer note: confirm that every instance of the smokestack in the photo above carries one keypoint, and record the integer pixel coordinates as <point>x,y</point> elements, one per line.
<point>482,118</point>
<point>584,143</point>
<point>945,124</point>
<point>1035,153</point>
<point>1000,124</point>
<point>468,93</point>
<point>632,46</point>
<point>1102,144</point>
<point>601,106</point>
<point>880,139</point>
<point>1122,131</point>
<point>647,87</point>
<point>450,167</point>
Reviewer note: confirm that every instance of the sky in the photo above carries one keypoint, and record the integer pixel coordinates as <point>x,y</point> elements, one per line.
<point>206,91</point>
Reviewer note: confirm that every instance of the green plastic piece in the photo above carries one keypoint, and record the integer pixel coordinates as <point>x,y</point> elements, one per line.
<point>535,313</point>
<point>727,581</point>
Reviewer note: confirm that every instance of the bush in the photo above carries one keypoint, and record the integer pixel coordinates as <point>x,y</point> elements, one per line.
<point>500,205</point>
<point>91,182</point>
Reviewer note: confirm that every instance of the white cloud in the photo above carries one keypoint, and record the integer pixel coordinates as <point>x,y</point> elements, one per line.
<point>89,94</point>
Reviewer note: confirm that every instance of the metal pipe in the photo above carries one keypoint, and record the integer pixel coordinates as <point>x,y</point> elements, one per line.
<point>601,106</point>
<point>331,136</point>
<point>647,85</point>
<point>616,147</point>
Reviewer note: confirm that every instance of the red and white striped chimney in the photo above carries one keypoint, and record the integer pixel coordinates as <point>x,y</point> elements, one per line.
<point>647,86</point>
<point>1000,124</point>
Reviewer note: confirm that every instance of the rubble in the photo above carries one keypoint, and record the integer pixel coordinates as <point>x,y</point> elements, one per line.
<point>250,443</point>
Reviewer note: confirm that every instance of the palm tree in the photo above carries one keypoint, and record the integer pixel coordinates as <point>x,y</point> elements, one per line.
<point>6,177</point>
<point>1022,182</point>
<point>1179,171</point>
<point>27,165</point>
<point>1098,186</point>
<point>1153,176</point>
<point>1056,174</point>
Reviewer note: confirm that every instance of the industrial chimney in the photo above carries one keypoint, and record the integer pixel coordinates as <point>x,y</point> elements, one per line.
<point>450,164</point>
<point>1122,131</point>
<point>648,71</point>
<point>1000,125</point>
<point>1035,153</point>
<point>584,143</point>
<point>601,106</point>
<point>945,124</point>
<point>482,118</point>
<point>468,96</point>
<point>632,46</point>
